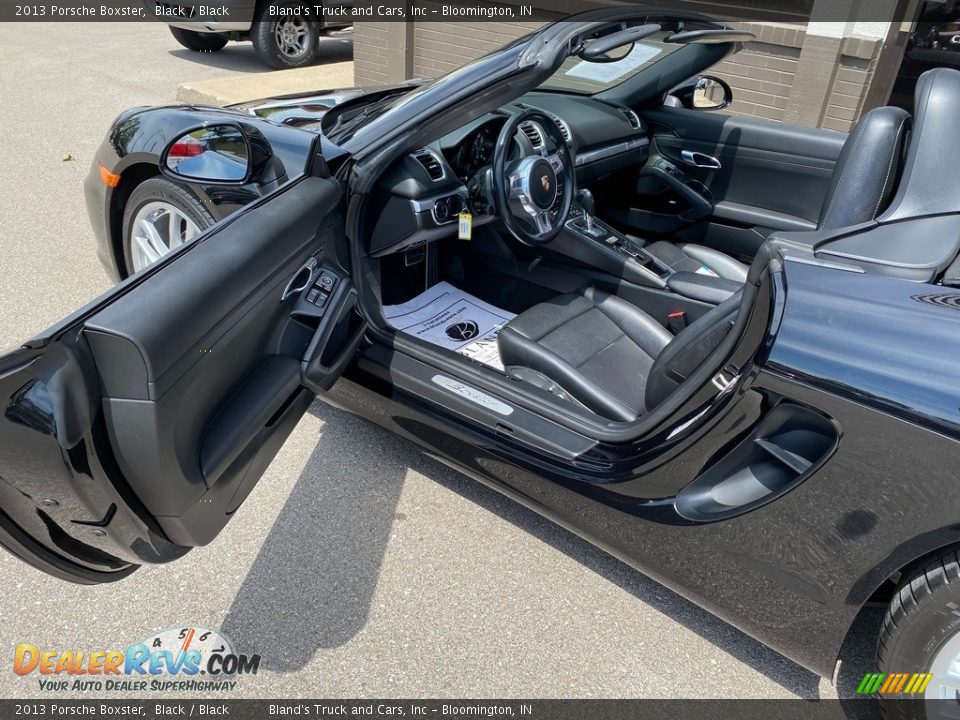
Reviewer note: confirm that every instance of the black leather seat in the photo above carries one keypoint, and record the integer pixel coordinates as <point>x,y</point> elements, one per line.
<point>606,353</point>
<point>862,185</point>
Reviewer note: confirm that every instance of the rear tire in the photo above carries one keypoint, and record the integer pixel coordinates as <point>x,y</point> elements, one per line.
<point>198,41</point>
<point>921,628</point>
<point>285,42</point>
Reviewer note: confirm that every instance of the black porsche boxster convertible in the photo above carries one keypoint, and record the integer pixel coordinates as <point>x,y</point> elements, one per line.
<point>722,349</point>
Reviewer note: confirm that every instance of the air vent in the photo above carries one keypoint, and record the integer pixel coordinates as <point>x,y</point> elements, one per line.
<point>564,128</point>
<point>430,163</point>
<point>534,134</point>
<point>631,117</point>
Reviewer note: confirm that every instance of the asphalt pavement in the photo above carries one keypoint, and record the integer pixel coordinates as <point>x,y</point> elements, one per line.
<point>358,567</point>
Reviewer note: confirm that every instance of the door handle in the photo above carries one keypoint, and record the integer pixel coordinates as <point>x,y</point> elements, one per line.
<point>700,160</point>
<point>301,279</point>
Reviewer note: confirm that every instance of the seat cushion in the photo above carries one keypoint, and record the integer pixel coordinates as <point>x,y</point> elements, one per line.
<point>689,257</point>
<point>594,345</point>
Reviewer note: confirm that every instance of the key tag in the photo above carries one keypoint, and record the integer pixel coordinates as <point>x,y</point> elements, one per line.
<point>465,226</point>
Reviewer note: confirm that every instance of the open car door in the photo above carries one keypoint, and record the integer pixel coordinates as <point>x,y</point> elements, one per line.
<point>134,429</point>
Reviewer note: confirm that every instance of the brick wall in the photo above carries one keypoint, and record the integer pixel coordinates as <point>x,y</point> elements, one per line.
<point>762,74</point>
<point>382,53</point>
<point>783,75</point>
<point>439,48</point>
<point>853,75</point>
<point>371,57</point>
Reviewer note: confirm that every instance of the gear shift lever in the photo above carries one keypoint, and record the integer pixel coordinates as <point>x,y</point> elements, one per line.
<point>585,198</point>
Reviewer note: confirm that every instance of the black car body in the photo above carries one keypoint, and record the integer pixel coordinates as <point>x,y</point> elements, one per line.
<point>802,467</point>
<point>131,153</point>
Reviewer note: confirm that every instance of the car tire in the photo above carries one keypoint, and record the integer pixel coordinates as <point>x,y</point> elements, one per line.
<point>198,41</point>
<point>921,628</point>
<point>165,205</point>
<point>285,42</point>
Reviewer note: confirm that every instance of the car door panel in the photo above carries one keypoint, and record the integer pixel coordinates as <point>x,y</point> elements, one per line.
<point>772,176</point>
<point>756,177</point>
<point>179,386</point>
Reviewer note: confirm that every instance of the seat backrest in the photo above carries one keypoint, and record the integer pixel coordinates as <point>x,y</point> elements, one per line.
<point>865,176</point>
<point>928,185</point>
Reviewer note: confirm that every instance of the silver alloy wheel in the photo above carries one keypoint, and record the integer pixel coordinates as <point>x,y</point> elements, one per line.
<point>158,228</point>
<point>945,669</point>
<point>292,37</point>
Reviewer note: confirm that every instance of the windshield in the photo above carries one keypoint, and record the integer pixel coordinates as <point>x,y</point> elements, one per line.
<point>546,54</point>
<point>586,78</point>
<point>342,122</point>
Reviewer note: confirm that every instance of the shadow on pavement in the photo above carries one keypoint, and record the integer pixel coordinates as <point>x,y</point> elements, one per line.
<point>240,57</point>
<point>312,583</point>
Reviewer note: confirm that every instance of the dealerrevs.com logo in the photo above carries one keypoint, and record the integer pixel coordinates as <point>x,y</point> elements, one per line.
<point>180,659</point>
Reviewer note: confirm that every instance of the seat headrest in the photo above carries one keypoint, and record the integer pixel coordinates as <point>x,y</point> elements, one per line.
<point>928,185</point>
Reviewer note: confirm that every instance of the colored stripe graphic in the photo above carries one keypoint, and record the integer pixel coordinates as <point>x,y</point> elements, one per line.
<point>915,680</point>
<point>890,682</point>
<point>894,683</point>
<point>899,686</point>
<point>865,683</point>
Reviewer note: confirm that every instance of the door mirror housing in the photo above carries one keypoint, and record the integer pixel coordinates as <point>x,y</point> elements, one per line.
<point>704,92</point>
<point>224,153</point>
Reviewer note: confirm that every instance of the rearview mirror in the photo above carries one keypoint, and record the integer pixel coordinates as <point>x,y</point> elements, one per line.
<point>615,46</point>
<point>704,92</point>
<point>218,153</point>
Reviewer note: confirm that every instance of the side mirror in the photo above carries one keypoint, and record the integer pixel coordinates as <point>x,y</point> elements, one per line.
<point>704,92</point>
<point>223,153</point>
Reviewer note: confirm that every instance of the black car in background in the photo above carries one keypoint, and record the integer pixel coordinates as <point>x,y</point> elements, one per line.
<point>722,349</point>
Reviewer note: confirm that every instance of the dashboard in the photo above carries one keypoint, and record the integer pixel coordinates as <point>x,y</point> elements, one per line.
<point>422,194</point>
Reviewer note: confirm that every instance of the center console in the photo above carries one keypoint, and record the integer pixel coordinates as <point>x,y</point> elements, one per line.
<point>635,257</point>
<point>612,250</point>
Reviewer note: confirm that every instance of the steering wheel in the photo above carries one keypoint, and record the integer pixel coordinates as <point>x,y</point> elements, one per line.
<point>533,193</point>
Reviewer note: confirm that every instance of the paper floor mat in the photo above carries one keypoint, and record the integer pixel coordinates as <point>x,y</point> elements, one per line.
<point>449,317</point>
